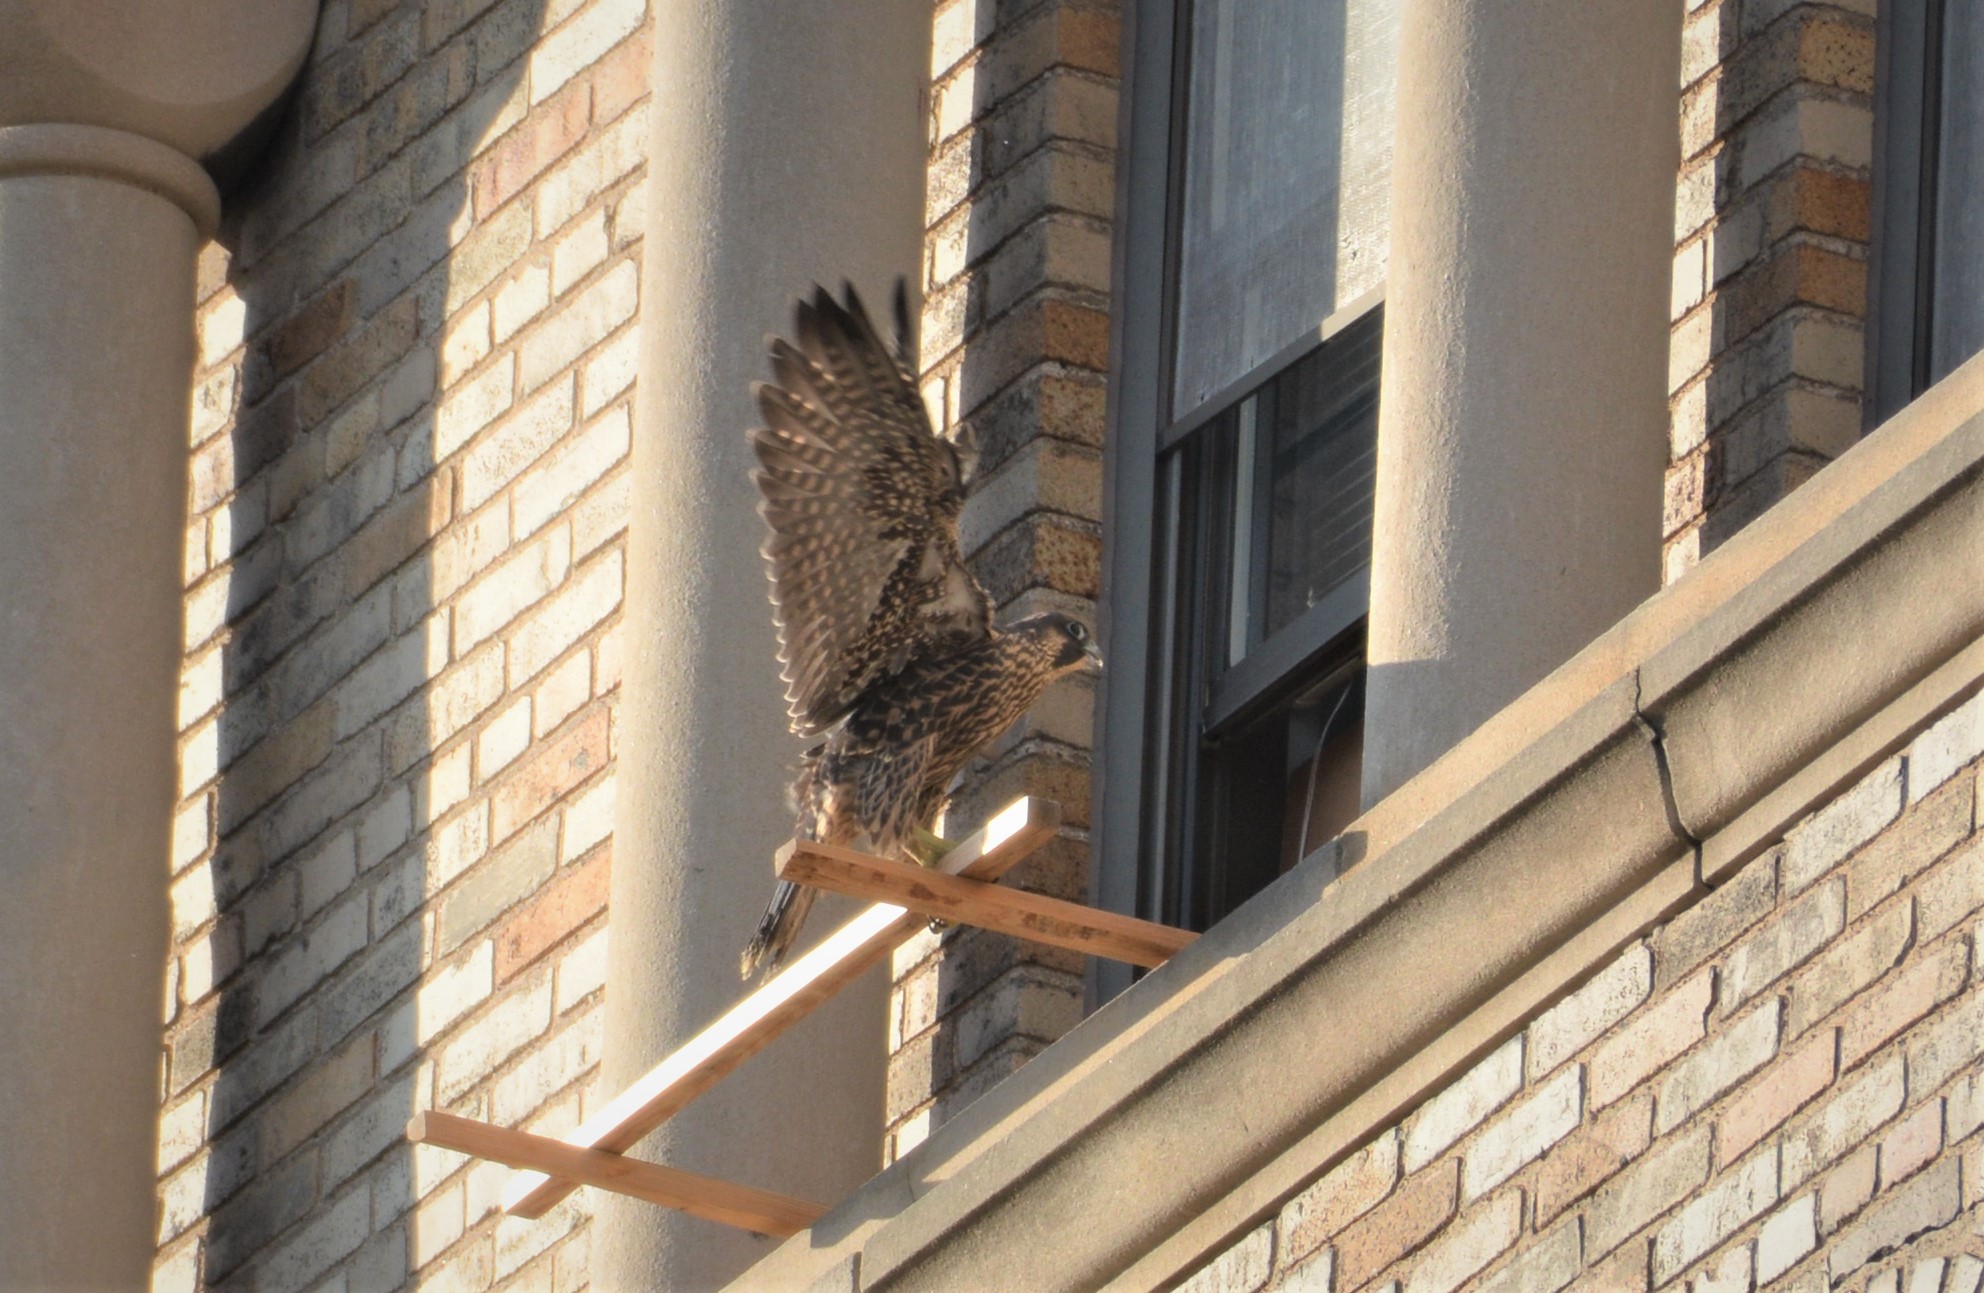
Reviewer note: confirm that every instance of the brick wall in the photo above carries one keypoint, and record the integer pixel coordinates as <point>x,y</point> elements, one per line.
<point>403,575</point>
<point>1015,342</point>
<point>1783,1087</point>
<point>1770,267</point>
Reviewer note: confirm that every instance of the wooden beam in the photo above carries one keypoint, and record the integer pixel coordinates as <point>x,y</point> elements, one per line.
<point>699,1196</point>
<point>1015,833</point>
<point>1025,915</point>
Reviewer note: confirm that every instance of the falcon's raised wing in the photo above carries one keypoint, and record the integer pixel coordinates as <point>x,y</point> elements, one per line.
<point>862,498</point>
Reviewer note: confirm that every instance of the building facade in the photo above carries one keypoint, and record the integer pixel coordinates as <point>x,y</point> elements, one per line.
<point>1572,766</point>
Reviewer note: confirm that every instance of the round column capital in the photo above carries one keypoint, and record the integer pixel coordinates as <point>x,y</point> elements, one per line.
<point>114,155</point>
<point>190,74</point>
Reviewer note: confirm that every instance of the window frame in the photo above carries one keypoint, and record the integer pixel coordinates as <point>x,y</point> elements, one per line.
<point>1906,120</point>
<point>1140,712</point>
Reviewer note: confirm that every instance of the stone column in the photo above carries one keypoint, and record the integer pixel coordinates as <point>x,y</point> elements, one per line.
<point>784,153</point>
<point>103,208</point>
<point>1523,424</point>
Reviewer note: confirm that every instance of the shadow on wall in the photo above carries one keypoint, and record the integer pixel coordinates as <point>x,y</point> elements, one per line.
<point>319,631</point>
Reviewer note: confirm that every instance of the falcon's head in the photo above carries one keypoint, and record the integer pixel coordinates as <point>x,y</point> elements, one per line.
<point>1072,643</point>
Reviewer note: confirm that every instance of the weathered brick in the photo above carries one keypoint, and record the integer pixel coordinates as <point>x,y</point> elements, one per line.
<point>502,739</point>
<point>1951,893</point>
<point>1931,1200</point>
<point>1930,829</point>
<point>550,131</point>
<point>1912,1143</point>
<point>1462,1106</point>
<point>553,1065</point>
<point>449,992</point>
<point>1730,1054</point>
<point>1420,1206</point>
<point>1786,940</point>
<point>1476,1238</point>
<point>1543,1265</point>
<point>1925,981</point>
<point>1242,1268</point>
<point>560,908</point>
<point>493,1037</point>
<point>1705,1221</point>
<point>579,325</point>
<point>1668,1174</point>
<point>550,773</point>
<point>1846,1188</point>
<point>1523,1134</point>
<point>1952,741</point>
<point>1847,967</point>
<point>1779,1091</point>
<point>551,488</point>
<point>1703,930</point>
<point>1789,1234</point>
<point>1857,1106</point>
<point>496,885</point>
<point>1829,835</point>
<point>312,958</point>
<point>581,42</point>
<point>503,592</point>
<point>1664,1029</point>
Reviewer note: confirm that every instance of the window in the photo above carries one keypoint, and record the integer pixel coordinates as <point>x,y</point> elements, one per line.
<point>1252,231</point>
<point>1928,256</point>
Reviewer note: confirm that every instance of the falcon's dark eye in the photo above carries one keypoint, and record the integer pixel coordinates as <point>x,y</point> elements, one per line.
<point>1077,631</point>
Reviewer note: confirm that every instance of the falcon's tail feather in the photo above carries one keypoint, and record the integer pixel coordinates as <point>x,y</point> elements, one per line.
<point>777,928</point>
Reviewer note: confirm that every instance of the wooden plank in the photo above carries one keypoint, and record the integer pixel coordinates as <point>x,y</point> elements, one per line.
<point>1018,831</point>
<point>699,1196</point>
<point>977,902</point>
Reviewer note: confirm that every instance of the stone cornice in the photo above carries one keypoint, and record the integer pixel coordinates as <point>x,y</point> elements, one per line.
<point>114,155</point>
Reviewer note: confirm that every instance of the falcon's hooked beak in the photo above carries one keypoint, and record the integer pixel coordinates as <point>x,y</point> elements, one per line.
<point>1091,656</point>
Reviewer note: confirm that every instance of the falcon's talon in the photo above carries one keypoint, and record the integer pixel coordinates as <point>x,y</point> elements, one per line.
<point>886,640</point>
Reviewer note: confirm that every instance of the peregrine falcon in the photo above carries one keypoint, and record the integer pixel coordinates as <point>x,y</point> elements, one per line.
<point>886,641</point>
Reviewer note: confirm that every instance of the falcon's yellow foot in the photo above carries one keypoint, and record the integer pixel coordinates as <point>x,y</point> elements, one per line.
<point>927,848</point>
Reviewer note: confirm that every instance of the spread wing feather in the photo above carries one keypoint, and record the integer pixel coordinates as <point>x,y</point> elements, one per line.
<point>862,499</point>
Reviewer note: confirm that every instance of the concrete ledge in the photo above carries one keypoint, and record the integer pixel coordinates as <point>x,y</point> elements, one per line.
<point>104,153</point>
<point>1478,892</point>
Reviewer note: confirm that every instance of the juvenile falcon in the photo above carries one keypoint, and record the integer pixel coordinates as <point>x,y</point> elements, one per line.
<point>886,640</point>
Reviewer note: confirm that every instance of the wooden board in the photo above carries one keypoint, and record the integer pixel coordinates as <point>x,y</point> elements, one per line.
<point>978,902</point>
<point>699,1196</point>
<point>1018,831</point>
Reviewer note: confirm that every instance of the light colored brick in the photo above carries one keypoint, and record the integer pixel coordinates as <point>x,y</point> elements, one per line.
<point>452,991</point>
<point>1718,1212</point>
<point>1829,835</point>
<point>474,405</point>
<point>582,971</point>
<point>1348,1191</point>
<point>465,344</point>
<point>516,442</point>
<point>1965,1106</point>
<point>192,898</point>
<point>1460,1108</point>
<point>558,624</point>
<point>500,1032</point>
<point>1786,940</point>
<point>1520,1136</point>
<point>456,846</point>
<point>1802,1072</point>
<point>437,1223</point>
<point>1954,740</point>
<point>1858,1105</point>
<point>1951,893</point>
<point>1729,1274</point>
<point>1924,981</point>
<point>507,736</point>
<point>1932,1199</point>
<point>561,693</point>
<point>551,487</point>
<point>445,783</point>
<point>1912,1143</point>
<point>1846,1188</point>
<point>384,827</point>
<point>1847,967</point>
<point>609,371</point>
<point>583,249</point>
<point>588,820</point>
<point>518,1241</point>
<point>581,42</point>
<point>1646,1042</point>
<point>549,1068</point>
<point>1475,1239</point>
<point>1966,1274</point>
<point>182,1129</point>
<point>1541,1266</point>
<point>519,301</point>
<point>1729,1056</point>
<point>579,325</point>
<point>1576,1021</point>
<point>593,167</point>
<point>465,549</point>
<point>504,592</point>
<point>1669,1173</point>
<point>222,329</point>
<point>1421,1205</point>
<point>326,872</point>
